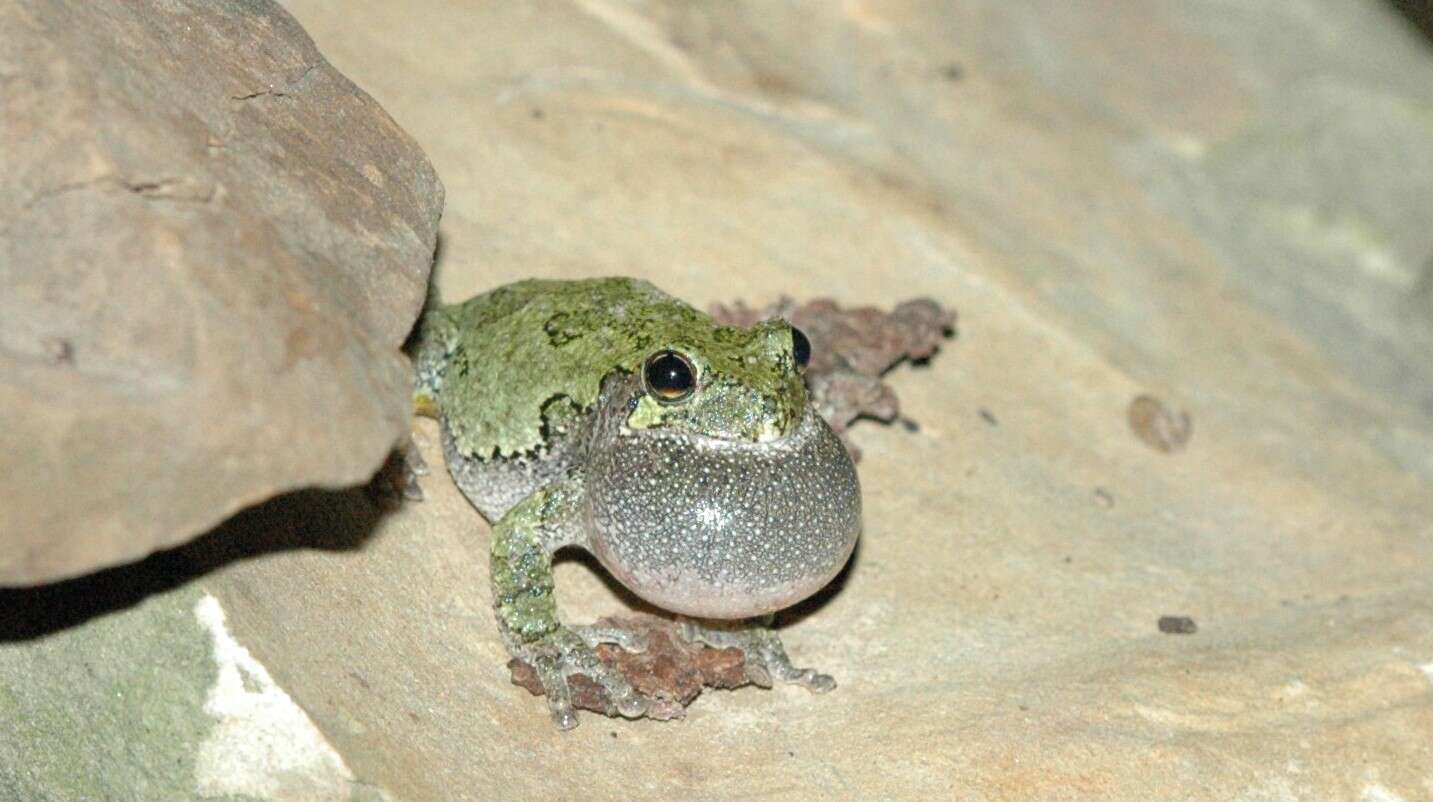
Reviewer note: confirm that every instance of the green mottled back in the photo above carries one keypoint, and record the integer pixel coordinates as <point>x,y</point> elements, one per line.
<point>500,365</point>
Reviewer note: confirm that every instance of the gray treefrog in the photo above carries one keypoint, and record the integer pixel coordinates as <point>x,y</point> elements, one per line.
<point>607,415</point>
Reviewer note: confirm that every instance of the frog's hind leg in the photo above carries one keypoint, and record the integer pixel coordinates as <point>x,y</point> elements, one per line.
<point>413,467</point>
<point>523,543</point>
<point>764,653</point>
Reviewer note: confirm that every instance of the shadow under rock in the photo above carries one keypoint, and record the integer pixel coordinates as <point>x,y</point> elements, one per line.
<point>333,520</point>
<point>1419,13</point>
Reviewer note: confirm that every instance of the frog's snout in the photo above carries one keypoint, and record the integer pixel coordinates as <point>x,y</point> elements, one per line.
<point>718,529</point>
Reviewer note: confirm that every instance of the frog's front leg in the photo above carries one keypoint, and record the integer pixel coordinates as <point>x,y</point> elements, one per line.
<point>523,544</point>
<point>763,649</point>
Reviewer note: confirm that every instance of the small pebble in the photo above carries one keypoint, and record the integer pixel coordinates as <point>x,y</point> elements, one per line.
<point>59,351</point>
<point>1157,425</point>
<point>1177,625</point>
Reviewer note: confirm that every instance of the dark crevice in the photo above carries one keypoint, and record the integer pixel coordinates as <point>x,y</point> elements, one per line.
<point>1419,14</point>
<point>54,192</point>
<point>262,93</point>
<point>148,188</point>
<point>279,91</point>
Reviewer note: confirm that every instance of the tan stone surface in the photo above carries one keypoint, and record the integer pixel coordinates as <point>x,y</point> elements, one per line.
<point>212,245</point>
<point>1220,205</point>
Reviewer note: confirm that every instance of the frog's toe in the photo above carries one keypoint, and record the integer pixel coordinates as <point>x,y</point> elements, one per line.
<point>551,674</point>
<point>567,653</point>
<point>811,679</point>
<point>778,665</point>
<point>562,713</point>
<point>413,467</point>
<point>581,659</point>
<point>593,634</point>
<point>769,659</point>
<point>766,657</point>
<point>413,455</point>
<point>625,699</point>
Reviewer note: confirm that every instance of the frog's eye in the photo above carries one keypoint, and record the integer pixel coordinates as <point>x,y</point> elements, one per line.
<point>669,376</point>
<point>800,347</point>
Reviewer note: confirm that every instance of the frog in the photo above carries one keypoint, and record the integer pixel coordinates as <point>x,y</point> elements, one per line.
<point>606,415</point>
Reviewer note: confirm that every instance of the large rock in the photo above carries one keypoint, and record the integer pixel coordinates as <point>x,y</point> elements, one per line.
<point>211,246</point>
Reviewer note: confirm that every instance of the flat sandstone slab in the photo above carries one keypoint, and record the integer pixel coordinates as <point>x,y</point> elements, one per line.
<point>1217,207</point>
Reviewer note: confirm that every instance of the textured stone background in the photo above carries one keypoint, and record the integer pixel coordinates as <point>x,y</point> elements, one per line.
<point>1220,204</point>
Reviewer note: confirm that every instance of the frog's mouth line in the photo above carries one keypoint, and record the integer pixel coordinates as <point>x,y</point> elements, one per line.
<point>716,411</point>
<point>807,425</point>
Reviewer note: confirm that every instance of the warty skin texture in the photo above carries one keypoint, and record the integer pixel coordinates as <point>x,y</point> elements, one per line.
<point>731,503</point>
<point>513,352</point>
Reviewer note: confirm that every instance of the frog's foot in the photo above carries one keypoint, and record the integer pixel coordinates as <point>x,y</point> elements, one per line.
<point>766,658</point>
<point>594,634</point>
<point>565,652</point>
<point>397,480</point>
<point>414,466</point>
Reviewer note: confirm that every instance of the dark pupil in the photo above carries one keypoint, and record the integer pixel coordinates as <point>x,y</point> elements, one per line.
<point>669,375</point>
<point>800,347</point>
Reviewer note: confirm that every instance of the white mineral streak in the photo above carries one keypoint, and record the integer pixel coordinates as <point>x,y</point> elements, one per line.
<point>1377,793</point>
<point>263,745</point>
